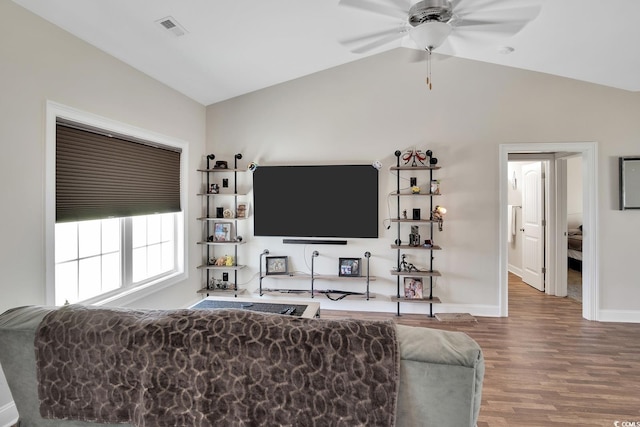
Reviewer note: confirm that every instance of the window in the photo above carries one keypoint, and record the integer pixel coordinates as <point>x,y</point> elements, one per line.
<point>92,258</point>
<point>152,245</point>
<point>111,234</point>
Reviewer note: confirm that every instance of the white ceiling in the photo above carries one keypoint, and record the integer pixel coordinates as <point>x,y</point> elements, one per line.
<point>233,47</point>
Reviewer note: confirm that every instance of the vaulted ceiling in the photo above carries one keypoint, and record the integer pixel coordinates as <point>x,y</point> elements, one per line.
<point>233,47</point>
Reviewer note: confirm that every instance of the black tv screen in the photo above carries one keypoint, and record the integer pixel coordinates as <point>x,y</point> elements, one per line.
<point>316,201</point>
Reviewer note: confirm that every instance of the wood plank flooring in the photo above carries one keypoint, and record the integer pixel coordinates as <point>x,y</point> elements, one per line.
<point>545,365</point>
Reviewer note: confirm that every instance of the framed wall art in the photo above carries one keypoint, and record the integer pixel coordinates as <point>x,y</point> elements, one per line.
<point>349,267</point>
<point>629,183</point>
<point>222,232</point>
<point>277,265</point>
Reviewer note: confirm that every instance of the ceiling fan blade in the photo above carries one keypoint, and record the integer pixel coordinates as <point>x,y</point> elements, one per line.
<point>421,56</point>
<point>449,46</point>
<point>393,11</point>
<point>528,13</point>
<point>403,4</point>
<point>383,37</point>
<point>492,26</point>
<point>509,21</point>
<point>417,55</point>
<point>377,34</point>
<point>465,7</point>
<point>502,28</point>
<point>476,22</point>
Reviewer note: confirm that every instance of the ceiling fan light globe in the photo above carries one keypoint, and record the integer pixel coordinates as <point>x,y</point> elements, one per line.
<point>430,35</point>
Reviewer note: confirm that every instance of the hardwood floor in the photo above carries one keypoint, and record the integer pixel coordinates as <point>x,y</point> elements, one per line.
<point>546,365</point>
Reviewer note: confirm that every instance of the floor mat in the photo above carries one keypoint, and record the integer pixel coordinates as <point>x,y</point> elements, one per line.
<point>455,317</point>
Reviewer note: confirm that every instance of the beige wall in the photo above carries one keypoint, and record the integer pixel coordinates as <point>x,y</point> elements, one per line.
<point>41,62</point>
<point>363,111</point>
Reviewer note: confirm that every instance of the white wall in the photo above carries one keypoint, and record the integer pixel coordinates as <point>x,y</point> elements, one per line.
<point>40,62</point>
<point>365,110</point>
<point>514,254</point>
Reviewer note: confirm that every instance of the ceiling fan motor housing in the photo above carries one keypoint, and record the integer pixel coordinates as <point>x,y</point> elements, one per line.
<point>429,11</point>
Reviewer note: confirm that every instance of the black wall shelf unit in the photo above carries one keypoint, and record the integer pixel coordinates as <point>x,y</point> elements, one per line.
<point>405,273</point>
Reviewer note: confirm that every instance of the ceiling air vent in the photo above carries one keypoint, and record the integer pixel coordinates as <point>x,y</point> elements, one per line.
<point>169,23</point>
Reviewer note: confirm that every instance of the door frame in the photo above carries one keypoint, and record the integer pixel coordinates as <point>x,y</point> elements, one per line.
<point>590,282</point>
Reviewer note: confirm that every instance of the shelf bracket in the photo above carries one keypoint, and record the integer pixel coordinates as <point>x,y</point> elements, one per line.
<point>313,255</point>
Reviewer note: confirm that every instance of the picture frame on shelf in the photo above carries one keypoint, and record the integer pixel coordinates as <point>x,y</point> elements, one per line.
<point>241,210</point>
<point>277,265</point>
<point>222,232</point>
<point>413,288</point>
<point>349,267</point>
<point>435,186</point>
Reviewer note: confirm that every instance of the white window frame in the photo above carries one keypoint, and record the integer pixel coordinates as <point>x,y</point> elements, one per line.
<point>54,111</point>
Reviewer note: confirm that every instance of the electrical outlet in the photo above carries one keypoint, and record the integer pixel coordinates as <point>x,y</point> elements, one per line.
<point>225,276</point>
<point>225,182</point>
<point>413,181</point>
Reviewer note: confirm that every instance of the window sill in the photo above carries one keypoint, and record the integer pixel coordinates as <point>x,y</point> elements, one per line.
<point>128,296</point>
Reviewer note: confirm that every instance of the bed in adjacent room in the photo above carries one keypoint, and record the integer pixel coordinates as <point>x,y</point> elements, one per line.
<point>574,241</point>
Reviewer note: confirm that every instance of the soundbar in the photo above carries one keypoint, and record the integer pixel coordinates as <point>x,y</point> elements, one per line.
<point>314,242</point>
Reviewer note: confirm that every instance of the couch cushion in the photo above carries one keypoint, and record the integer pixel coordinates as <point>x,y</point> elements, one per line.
<point>436,346</point>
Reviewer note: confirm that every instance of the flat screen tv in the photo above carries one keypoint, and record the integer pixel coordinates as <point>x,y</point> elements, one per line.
<point>316,201</point>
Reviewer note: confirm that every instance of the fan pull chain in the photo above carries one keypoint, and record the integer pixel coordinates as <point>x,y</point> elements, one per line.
<point>429,68</point>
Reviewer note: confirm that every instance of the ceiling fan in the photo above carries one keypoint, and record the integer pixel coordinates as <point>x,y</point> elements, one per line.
<point>430,23</point>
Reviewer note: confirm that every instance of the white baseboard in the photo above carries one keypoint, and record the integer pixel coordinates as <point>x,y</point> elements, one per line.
<point>473,309</point>
<point>515,270</point>
<point>8,415</point>
<point>624,316</point>
<point>381,304</point>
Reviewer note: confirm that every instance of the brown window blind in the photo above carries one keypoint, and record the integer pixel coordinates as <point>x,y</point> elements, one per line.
<point>99,175</point>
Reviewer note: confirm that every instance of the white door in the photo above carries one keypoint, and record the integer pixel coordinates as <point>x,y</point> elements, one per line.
<point>532,226</point>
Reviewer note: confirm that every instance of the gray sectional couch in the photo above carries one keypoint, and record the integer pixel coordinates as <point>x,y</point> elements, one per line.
<point>440,382</point>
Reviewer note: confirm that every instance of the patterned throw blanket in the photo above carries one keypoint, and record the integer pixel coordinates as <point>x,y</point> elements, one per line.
<point>215,368</point>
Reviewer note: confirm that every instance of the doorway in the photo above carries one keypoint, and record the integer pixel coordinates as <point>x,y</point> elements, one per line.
<point>527,240</point>
<point>528,193</point>
<point>556,224</point>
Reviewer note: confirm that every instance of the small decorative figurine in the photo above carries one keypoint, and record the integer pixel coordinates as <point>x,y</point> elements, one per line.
<point>414,237</point>
<point>414,156</point>
<point>407,266</point>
